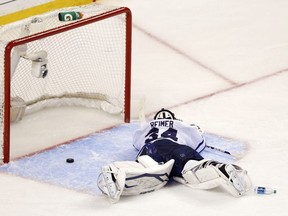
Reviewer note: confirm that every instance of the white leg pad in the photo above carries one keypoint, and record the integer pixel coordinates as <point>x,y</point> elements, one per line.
<point>238,182</point>
<point>146,161</point>
<point>207,174</point>
<point>132,178</point>
<point>205,178</point>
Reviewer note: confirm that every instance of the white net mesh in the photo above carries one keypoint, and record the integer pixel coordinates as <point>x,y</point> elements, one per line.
<point>86,65</point>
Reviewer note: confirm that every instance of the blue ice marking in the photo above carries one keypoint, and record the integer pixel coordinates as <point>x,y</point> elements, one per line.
<point>92,152</point>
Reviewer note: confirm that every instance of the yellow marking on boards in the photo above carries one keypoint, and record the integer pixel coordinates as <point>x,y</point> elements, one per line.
<point>41,9</point>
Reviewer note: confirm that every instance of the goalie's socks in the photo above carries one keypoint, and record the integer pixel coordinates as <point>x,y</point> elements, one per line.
<point>107,184</point>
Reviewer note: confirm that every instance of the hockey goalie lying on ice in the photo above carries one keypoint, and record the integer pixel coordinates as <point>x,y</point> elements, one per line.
<point>169,148</point>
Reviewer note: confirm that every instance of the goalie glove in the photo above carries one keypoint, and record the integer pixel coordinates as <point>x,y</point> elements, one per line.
<point>207,174</point>
<point>133,178</point>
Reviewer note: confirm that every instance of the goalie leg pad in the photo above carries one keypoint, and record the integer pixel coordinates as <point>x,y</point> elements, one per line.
<point>132,178</point>
<point>108,184</point>
<point>236,180</point>
<point>207,174</point>
<point>200,178</point>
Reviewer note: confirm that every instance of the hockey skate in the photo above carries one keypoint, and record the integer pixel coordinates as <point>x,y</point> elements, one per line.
<point>208,174</point>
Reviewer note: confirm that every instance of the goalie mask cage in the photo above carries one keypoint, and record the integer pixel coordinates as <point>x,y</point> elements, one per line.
<point>88,62</point>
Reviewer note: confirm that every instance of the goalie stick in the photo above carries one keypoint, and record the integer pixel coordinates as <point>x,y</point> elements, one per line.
<point>223,151</point>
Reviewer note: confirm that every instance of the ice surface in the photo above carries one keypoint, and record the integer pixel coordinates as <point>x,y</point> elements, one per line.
<point>92,152</point>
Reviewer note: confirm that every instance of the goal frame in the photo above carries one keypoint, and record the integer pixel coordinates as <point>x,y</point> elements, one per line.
<point>54,31</point>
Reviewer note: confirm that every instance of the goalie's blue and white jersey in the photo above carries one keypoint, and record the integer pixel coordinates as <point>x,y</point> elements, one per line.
<point>175,130</point>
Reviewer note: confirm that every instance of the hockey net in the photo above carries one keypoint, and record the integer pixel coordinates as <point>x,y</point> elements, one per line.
<point>46,62</point>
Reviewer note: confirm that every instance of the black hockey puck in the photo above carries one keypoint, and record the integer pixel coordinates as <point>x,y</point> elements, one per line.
<point>70,160</point>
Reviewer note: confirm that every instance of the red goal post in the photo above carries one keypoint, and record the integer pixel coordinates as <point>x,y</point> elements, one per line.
<point>88,62</point>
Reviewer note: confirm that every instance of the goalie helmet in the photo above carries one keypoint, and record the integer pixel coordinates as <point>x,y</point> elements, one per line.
<point>164,114</point>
